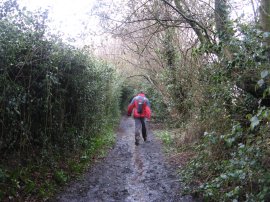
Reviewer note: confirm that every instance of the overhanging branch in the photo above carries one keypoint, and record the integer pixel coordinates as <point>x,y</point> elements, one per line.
<point>193,23</point>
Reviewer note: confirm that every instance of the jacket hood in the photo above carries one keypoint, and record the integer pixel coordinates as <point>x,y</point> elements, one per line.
<point>141,94</point>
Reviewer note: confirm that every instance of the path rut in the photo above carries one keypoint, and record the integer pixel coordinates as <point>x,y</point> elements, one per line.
<point>129,173</point>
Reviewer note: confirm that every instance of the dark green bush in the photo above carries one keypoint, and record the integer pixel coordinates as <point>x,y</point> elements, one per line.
<point>56,100</point>
<point>52,94</point>
<point>231,162</point>
<point>54,97</point>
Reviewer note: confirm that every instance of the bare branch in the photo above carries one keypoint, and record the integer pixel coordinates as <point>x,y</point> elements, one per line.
<point>193,23</point>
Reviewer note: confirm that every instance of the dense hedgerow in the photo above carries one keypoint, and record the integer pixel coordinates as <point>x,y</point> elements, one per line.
<point>232,157</point>
<point>57,105</point>
<point>53,95</point>
<point>54,99</point>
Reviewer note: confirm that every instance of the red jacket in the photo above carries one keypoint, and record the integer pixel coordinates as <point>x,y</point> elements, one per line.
<point>133,106</point>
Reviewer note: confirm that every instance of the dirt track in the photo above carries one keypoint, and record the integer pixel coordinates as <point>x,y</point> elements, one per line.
<point>129,173</point>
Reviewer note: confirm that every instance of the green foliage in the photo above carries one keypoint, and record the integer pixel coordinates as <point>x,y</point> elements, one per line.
<point>228,168</point>
<point>39,182</point>
<point>128,92</point>
<point>165,137</point>
<point>56,101</point>
<point>60,177</point>
<point>53,95</point>
<point>232,166</point>
<point>160,111</point>
<point>231,162</point>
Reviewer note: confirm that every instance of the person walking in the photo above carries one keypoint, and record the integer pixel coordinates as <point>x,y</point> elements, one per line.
<point>140,106</point>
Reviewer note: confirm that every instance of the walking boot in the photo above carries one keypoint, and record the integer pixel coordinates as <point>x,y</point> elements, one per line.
<point>145,138</point>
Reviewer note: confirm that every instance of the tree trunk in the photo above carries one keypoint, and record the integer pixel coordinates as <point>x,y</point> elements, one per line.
<point>265,18</point>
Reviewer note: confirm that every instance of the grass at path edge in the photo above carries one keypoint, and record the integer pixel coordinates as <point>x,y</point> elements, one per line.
<point>41,182</point>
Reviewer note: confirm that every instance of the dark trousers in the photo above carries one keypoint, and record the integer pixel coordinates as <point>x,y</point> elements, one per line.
<point>140,125</point>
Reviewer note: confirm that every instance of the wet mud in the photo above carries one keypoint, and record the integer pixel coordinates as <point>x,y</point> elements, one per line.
<point>129,173</point>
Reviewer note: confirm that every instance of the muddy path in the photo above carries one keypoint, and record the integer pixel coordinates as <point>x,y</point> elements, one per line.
<point>129,173</point>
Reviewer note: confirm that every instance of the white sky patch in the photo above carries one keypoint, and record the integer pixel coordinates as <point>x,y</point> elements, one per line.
<point>72,17</point>
<point>69,17</point>
<point>243,9</point>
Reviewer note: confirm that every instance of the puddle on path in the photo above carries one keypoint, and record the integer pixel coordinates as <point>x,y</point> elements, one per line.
<point>130,173</point>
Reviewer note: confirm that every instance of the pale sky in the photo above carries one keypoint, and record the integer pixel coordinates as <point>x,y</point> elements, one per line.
<point>71,16</point>
<point>68,16</point>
